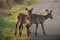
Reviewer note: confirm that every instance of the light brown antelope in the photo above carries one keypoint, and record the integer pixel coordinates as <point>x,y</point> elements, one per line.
<point>23,18</point>
<point>19,19</point>
<point>39,19</point>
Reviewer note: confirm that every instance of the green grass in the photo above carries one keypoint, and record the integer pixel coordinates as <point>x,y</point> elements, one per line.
<point>7,23</point>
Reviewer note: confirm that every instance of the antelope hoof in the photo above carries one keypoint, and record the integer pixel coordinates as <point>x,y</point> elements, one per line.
<point>15,34</point>
<point>28,34</point>
<point>35,34</point>
<point>20,34</point>
<point>44,33</point>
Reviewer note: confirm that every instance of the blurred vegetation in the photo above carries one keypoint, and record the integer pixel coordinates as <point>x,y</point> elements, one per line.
<point>7,4</point>
<point>8,11</point>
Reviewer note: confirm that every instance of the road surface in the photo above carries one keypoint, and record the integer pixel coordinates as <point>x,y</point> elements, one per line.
<point>52,27</point>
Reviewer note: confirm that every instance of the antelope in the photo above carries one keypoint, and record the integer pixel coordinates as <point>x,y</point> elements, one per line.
<point>40,19</point>
<point>22,18</point>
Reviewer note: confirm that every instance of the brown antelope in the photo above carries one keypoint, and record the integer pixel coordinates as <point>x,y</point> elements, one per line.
<point>39,19</point>
<point>22,18</point>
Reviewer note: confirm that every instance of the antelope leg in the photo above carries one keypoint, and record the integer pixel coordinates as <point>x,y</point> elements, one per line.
<point>43,28</point>
<point>36,29</point>
<point>16,28</point>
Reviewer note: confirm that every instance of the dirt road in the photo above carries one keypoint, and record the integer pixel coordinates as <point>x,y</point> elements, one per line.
<point>52,27</point>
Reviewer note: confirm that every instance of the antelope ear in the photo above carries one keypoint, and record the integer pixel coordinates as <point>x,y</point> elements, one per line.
<point>46,10</point>
<point>50,10</point>
<point>26,8</point>
<point>31,9</point>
